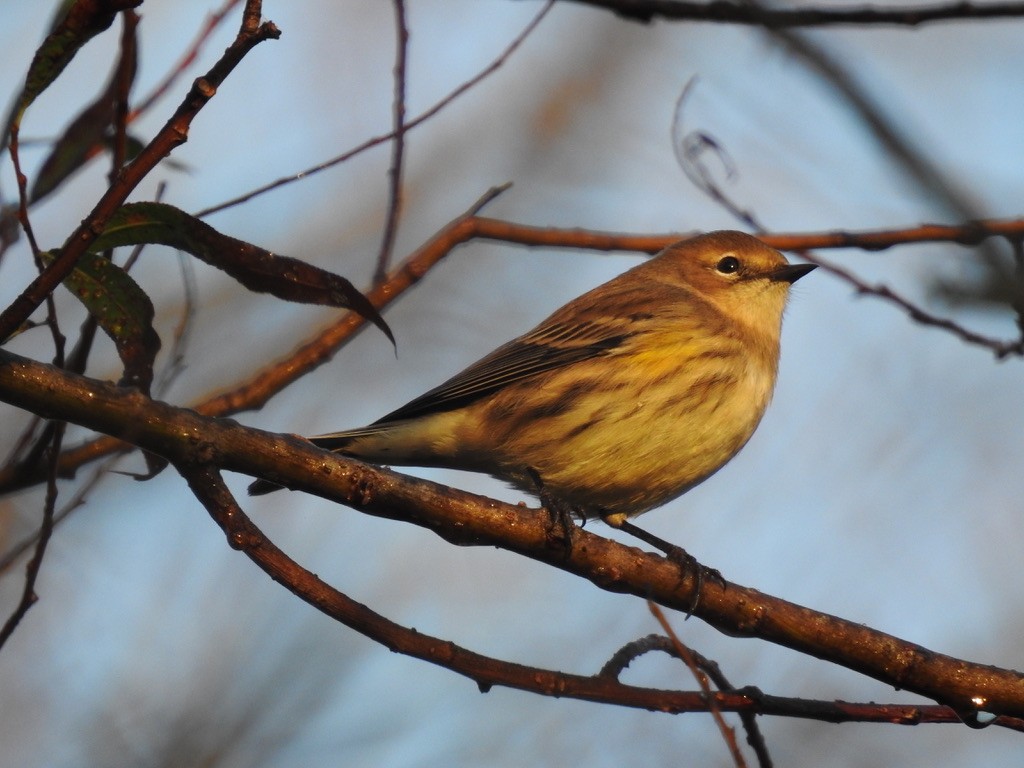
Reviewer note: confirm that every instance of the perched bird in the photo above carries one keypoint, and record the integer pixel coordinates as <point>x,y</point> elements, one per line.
<point>620,401</point>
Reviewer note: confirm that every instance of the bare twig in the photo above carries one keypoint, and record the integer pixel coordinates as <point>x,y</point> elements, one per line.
<point>624,656</point>
<point>1017,244</point>
<point>1000,348</point>
<point>690,148</point>
<point>175,363</point>
<point>22,181</point>
<point>394,208</point>
<point>26,226</point>
<point>75,502</point>
<point>28,595</point>
<point>728,734</point>
<point>409,125</point>
<point>749,718</point>
<point>632,650</point>
<point>124,76</point>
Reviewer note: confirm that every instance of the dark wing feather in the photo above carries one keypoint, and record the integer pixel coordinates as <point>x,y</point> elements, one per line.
<point>547,348</point>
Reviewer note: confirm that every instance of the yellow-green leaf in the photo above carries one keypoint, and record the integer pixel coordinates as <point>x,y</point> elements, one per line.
<point>123,311</point>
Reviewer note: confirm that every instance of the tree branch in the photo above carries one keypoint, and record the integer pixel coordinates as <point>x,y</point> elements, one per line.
<point>721,12</point>
<point>394,209</point>
<point>486,672</point>
<point>186,439</point>
<point>28,594</point>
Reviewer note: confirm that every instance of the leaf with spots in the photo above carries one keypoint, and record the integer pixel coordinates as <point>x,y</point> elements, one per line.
<point>123,311</point>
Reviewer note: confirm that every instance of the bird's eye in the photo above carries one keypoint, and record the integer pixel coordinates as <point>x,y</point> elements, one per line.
<point>728,264</point>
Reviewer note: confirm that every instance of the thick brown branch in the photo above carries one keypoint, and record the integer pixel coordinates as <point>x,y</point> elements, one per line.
<point>486,671</point>
<point>185,437</point>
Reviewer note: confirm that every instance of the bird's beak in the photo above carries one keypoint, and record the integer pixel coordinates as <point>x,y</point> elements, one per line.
<point>792,272</point>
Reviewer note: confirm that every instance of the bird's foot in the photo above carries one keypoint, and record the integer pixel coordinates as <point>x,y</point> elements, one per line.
<point>561,528</point>
<point>687,563</point>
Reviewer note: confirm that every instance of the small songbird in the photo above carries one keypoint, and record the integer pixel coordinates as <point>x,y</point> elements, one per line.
<point>623,399</point>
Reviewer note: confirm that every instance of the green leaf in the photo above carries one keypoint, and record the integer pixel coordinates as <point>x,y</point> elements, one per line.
<point>255,268</point>
<point>123,311</point>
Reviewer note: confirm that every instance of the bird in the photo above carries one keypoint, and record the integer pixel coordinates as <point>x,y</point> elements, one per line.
<point>620,401</point>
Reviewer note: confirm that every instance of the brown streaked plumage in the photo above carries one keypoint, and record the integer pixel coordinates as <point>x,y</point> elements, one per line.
<point>623,399</point>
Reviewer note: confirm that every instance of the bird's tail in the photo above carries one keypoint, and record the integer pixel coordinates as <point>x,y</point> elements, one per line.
<point>337,441</point>
<point>263,487</point>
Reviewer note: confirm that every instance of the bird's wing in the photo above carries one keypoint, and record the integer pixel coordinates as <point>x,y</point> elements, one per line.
<point>550,346</point>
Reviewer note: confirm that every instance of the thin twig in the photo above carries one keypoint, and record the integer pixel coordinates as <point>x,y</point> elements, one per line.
<point>75,502</point>
<point>755,738</point>
<point>409,125</point>
<point>1017,244</point>
<point>28,595</point>
<point>22,181</point>
<point>175,362</point>
<point>1000,348</point>
<point>26,227</point>
<point>728,734</point>
<point>690,148</point>
<point>124,75</point>
<point>394,207</point>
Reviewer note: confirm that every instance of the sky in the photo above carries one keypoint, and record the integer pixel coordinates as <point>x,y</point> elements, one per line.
<point>883,485</point>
